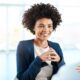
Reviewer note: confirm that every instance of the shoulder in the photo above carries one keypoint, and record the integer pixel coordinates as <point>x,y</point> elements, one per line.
<point>25,45</point>
<point>26,42</point>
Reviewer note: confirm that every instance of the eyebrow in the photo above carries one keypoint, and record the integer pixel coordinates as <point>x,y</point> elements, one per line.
<point>43,24</point>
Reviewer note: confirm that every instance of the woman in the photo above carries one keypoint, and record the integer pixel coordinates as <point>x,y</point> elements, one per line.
<point>39,59</point>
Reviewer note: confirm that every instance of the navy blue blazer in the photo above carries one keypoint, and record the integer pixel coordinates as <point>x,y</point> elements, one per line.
<point>28,66</point>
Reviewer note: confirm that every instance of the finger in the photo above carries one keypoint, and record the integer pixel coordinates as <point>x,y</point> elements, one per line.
<point>52,49</point>
<point>53,54</point>
<point>54,60</point>
<point>53,57</point>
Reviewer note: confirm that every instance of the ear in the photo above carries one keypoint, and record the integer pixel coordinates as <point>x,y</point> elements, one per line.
<point>34,29</point>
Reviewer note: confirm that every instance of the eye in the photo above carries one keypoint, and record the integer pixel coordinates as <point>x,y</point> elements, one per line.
<point>50,26</point>
<point>41,26</point>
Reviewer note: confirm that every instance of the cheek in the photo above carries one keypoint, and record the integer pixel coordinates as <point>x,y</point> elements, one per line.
<point>50,31</point>
<point>37,32</point>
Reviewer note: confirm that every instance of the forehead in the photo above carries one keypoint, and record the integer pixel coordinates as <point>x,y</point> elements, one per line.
<point>44,21</point>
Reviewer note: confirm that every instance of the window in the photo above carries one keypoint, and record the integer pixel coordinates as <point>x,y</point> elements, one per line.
<point>11,29</point>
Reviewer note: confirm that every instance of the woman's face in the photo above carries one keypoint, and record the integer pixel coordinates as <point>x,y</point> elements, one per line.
<point>43,28</point>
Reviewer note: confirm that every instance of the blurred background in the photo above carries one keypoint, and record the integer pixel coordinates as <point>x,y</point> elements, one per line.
<point>12,31</point>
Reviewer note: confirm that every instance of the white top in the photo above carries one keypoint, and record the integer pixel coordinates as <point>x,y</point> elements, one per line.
<point>39,51</point>
<point>45,71</point>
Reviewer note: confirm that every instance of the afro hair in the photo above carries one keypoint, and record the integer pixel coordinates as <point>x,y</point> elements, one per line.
<point>38,11</point>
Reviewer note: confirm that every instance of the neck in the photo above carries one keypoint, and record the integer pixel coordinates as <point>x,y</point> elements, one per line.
<point>41,43</point>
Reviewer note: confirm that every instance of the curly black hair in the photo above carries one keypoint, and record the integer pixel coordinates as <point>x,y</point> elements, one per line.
<point>38,11</point>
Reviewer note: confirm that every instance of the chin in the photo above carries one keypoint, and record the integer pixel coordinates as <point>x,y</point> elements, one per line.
<point>43,38</point>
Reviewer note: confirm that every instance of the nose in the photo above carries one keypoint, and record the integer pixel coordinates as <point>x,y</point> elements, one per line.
<point>45,27</point>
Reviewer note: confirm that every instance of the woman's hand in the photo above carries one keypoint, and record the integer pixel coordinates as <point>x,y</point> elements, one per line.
<point>78,68</point>
<point>50,55</point>
<point>54,55</point>
<point>44,57</point>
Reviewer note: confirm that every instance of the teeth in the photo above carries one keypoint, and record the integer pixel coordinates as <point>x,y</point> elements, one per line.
<point>44,34</point>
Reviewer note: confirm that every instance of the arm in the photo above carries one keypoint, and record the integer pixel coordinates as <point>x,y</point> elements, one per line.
<point>61,62</point>
<point>58,56</point>
<point>26,70</point>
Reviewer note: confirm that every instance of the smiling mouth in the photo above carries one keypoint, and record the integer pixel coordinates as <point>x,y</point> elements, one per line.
<point>45,34</point>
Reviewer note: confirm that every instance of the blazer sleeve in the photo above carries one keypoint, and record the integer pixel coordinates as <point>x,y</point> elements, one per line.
<point>56,66</point>
<point>25,69</point>
<point>61,62</point>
